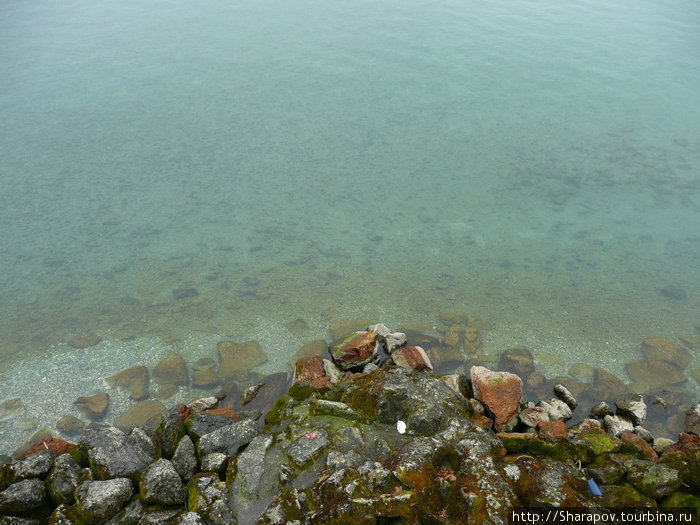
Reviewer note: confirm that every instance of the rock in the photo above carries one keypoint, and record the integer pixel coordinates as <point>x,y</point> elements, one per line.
<point>161,484</point>
<point>202,404</point>
<point>215,462</point>
<point>249,487</point>
<point>445,358</point>
<point>661,444</point>
<point>36,465</point>
<point>97,501</point>
<point>654,480</point>
<point>412,358</point>
<point>310,370</point>
<point>460,384</point>
<point>453,336</point>
<point>600,410</point>
<point>185,459</point>
<point>298,325</point>
<point>313,348</point>
<point>207,496</point>
<point>142,439</point>
<point>93,407</point>
<point>615,425</point>
<point>633,409</point>
<point>582,372</point>
<point>203,423</point>
<point>658,349</point>
<point>533,416</point>
<point>22,496</point>
<point>556,409</point>
<point>70,425</point>
<point>635,445</point>
<point>139,414</point>
<point>130,514</point>
<point>500,393</point>
<point>236,359</point>
<point>57,446</point>
<point>184,293</point>
<point>111,453</point>
<point>644,434</point>
<point>450,318</point>
<point>391,340</point>
<point>203,375</point>
<point>333,373</point>
<point>692,420</point>
<point>304,449</point>
<point>85,340</point>
<point>606,385</point>
<point>355,350</point>
<point>601,442</point>
<point>653,373</point>
<point>228,439</point>
<point>165,391</point>
<point>171,429</point>
<point>674,292</point>
<point>11,408</point>
<point>323,407</point>
<point>518,361</point>
<point>563,393</point>
<point>134,380</point>
<point>63,480</point>
<point>191,518</point>
<point>342,329</point>
<point>273,386</point>
<point>172,370</point>
<point>553,429</point>
<point>472,340</point>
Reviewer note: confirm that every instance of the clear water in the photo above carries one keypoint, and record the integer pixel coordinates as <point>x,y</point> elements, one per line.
<point>535,164</point>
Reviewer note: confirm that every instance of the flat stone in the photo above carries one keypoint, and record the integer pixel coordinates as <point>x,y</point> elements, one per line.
<point>533,416</point>
<point>251,468</point>
<point>312,348</point>
<point>111,453</point>
<point>449,318</point>
<point>204,423</point>
<point>36,465</point>
<point>654,374</point>
<point>85,340</point>
<point>11,408</point>
<point>93,407</point>
<point>172,370</point>
<point>97,501</point>
<point>445,358</point>
<point>355,350</point>
<point>236,359</point>
<point>160,484</point>
<point>22,496</point>
<point>273,387</point>
<point>56,446</point>
<point>134,379</point>
<point>70,425</point>
<point>228,439</point>
<point>323,407</point>
<point>659,349</point>
<point>412,358</point>
<point>581,371</point>
<point>139,414</point>
<point>304,449</point>
<point>501,394</point>
<point>204,375</point>
<point>553,429</point>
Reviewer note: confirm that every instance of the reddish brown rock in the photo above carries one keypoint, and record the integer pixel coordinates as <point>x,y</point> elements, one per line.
<point>355,350</point>
<point>533,416</point>
<point>686,444</point>
<point>659,349</point>
<point>412,358</point>
<point>134,380</point>
<point>226,412</point>
<point>172,370</point>
<point>500,393</point>
<point>310,370</point>
<point>553,429</point>
<point>654,374</point>
<point>636,446</point>
<point>93,407</point>
<point>57,446</point>
<point>236,359</point>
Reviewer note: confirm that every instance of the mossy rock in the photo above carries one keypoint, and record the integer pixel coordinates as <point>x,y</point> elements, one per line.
<point>652,479</point>
<point>606,470</point>
<point>601,442</point>
<point>681,499</point>
<point>562,449</point>
<point>624,496</point>
<point>515,442</point>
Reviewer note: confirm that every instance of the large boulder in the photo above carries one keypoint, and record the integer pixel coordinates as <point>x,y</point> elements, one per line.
<point>111,453</point>
<point>98,501</point>
<point>500,393</point>
<point>161,484</point>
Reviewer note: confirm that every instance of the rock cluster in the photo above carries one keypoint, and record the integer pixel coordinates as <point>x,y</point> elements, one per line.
<point>371,436</point>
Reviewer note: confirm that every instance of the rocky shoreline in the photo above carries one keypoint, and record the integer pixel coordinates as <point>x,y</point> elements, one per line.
<point>371,435</point>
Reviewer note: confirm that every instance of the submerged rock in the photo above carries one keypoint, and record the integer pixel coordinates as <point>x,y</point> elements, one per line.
<point>172,370</point>
<point>236,359</point>
<point>134,379</point>
<point>93,407</point>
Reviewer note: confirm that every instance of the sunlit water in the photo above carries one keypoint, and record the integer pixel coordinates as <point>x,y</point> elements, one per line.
<point>534,164</point>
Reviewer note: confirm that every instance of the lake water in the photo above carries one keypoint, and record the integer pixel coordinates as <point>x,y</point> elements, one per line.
<point>535,164</point>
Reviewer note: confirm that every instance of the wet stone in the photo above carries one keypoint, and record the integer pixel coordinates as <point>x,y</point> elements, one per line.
<point>140,414</point>
<point>355,350</point>
<point>659,349</point>
<point>518,361</point>
<point>251,467</point>
<point>70,425</point>
<point>11,408</point>
<point>297,325</point>
<point>323,407</point>
<point>36,465</point>
<point>633,409</point>
<point>172,370</point>
<point>654,374</point>
<point>204,375</point>
<point>533,416</point>
<point>205,423</point>
<point>228,439</point>
<point>692,420</point>
<point>653,480</point>
<point>600,410</point>
<point>112,454</point>
<point>135,380</point>
<point>185,459</point>
<point>556,409</point>
<point>22,496</point>
<point>85,340</point>
<point>616,425</point>
<point>63,479</point>
<point>93,407</point>
<point>236,359</point>
<point>412,358</point>
<point>563,393</point>
<point>304,449</point>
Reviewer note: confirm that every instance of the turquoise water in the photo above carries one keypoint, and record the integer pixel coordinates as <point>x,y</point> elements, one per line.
<point>535,164</point>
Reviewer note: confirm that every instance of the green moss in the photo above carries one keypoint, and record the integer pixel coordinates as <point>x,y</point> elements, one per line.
<point>681,499</point>
<point>561,449</point>
<point>601,441</point>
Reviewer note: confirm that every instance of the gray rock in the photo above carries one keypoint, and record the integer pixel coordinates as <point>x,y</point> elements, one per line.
<point>215,462</point>
<point>203,423</point>
<point>532,416</point>
<point>634,409</point>
<point>129,515</point>
<point>563,393</point>
<point>159,517</point>
<point>600,410</point>
<point>63,479</point>
<point>304,449</point>
<point>112,454</point>
<point>97,501</point>
<point>274,515</point>
<point>228,439</point>
<point>334,373</point>
<point>616,425</point>
<point>13,520</point>
<point>138,436</point>
<point>170,430</point>
<point>459,383</point>
<point>202,404</point>
<point>556,409</point>
<point>391,340</point>
<point>652,479</point>
<point>692,420</point>
<point>644,434</point>
<point>185,459</point>
<point>22,496</point>
<point>36,465</point>
<point>161,484</point>
<point>323,407</point>
<point>251,466</point>
<point>190,518</point>
<point>339,460</point>
<point>63,515</point>
<point>207,496</point>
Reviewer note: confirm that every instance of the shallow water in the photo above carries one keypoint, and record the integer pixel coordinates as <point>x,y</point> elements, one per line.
<point>536,165</point>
